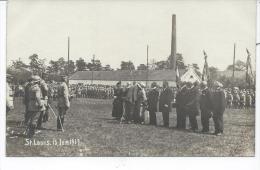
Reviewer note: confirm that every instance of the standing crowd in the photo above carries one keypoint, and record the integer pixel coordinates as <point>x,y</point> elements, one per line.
<point>133,103</point>
<point>240,98</point>
<point>97,91</point>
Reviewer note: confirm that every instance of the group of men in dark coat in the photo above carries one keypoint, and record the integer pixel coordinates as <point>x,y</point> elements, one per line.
<point>192,100</point>
<point>129,103</point>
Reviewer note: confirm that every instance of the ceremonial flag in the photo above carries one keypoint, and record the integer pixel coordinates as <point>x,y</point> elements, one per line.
<point>205,73</point>
<point>177,74</point>
<point>249,72</point>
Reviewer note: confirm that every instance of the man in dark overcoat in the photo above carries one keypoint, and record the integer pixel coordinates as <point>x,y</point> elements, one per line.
<point>205,106</point>
<point>193,106</point>
<point>152,100</point>
<point>219,105</point>
<point>180,110</point>
<point>165,103</point>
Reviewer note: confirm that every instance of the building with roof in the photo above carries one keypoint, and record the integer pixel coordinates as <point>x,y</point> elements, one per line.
<point>189,75</point>
<point>112,77</point>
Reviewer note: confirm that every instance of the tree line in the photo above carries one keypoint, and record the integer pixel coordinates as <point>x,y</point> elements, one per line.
<point>60,66</point>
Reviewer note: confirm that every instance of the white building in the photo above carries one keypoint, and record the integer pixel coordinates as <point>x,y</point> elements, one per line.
<point>112,77</point>
<point>190,75</point>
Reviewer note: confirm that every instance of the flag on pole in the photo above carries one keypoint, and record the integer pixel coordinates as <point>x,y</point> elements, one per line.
<point>177,74</point>
<point>205,73</point>
<point>249,72</point>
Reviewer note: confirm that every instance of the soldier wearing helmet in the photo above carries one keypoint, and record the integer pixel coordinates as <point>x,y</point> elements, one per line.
<point>34,104</point>
<point>63,102</point>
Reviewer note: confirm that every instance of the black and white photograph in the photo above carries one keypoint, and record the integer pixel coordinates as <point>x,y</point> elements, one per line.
<point>128,78</point>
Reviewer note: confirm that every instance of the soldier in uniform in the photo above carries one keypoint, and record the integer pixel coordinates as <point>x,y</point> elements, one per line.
<point>229,99</point>
<point>165,103</point>
<point>205,106</point>
<point>242,99</point>
<point>219,105</point>
<point>63,102</point>
<point>152,99</point>
<point>35,104</point>
<point>248,99</point>
<point>26,100</point>
<point>236,98</point>
<point>44,115</point>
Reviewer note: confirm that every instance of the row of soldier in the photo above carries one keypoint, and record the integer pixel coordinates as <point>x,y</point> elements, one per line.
<point>236,98</point>
<point>192,99</point>
<point>240,98</point>
<point>97,91</point>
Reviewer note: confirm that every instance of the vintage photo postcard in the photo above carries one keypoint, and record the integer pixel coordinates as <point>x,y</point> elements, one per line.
<point>128,78</point>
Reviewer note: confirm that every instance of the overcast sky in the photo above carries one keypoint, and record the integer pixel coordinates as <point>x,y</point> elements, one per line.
<point>120,30</point>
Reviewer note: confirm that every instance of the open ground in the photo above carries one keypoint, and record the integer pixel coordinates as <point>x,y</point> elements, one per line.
<point>95,133</point>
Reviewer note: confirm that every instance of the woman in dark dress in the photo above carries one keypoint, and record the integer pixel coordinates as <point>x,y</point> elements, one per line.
<point>117,110</point>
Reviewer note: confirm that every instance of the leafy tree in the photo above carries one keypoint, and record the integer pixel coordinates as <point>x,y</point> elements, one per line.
<point>57,67</point>
<point>53,67</point>
<point>95,65</point>
<point>37,65</point>
<point>162,65</point>
<point>213,72</point>
<point>142,67</point>
<point>81,64</point>
<point>62,66</point>
<point>127,65</point>
<point>239,66</point>
<point>107,68</point>
<point>18,64</point>
<point>72,67</point>
<point>180,61</point>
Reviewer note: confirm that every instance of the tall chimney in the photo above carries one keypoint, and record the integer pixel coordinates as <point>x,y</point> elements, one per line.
<point>173,44</point>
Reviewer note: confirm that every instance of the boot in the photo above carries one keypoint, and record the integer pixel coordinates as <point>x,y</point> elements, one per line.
<point>59,124</point>
<point>31,131</point>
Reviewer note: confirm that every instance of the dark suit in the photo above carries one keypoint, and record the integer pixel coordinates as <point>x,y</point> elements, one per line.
<point>180,110</point>
<point>165,99</point>
<point>219,105</point>
<point>152,100</point>
<point>117,110</point>
<point>206,108</point>
<point>192,106</point>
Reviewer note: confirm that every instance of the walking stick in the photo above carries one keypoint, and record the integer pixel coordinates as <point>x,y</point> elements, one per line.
<point>56,117</point>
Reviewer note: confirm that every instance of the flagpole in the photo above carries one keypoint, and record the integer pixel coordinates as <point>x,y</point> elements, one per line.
<point>147,69</point>
<point>68,60</point>
<point>234,58</point>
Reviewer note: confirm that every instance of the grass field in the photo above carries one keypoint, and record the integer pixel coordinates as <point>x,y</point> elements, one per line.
<point>89,121</point>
